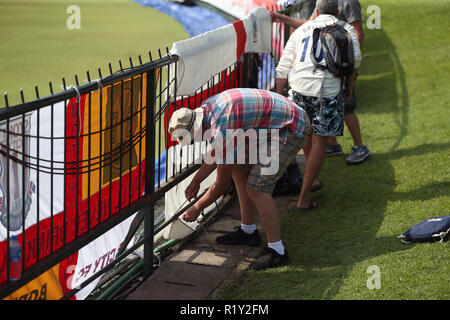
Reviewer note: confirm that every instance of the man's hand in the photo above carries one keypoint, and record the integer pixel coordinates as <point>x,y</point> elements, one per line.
<point>276,17</point>
<point>191,214</point>
<point>192,190</point>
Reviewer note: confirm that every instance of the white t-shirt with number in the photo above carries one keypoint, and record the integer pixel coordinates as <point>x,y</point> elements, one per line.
<point>296,62</point>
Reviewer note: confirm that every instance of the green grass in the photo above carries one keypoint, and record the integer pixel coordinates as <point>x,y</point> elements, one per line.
<point>403,108</point>
<point>37,47</point>
<point>403,100</point>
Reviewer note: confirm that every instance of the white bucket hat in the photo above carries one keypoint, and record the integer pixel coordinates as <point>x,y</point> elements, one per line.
<point>185,120</point>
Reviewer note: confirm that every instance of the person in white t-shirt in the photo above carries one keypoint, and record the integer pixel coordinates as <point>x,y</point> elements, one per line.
<point>350,12</point>
<point>317,91</point>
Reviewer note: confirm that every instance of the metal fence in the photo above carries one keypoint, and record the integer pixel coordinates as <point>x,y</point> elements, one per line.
<point>113,133</point>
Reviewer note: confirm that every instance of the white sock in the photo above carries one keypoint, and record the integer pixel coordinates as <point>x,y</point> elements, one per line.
<point>277,246</point>
<point>248,228</point>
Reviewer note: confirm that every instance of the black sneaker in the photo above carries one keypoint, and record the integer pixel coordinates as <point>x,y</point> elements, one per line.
<point>333,150</point>
<point>269,258</point>
<point>239,237</point>
<point>358,155</point>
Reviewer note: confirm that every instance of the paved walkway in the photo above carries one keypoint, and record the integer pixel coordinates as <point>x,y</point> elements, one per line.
<point>202,266</point>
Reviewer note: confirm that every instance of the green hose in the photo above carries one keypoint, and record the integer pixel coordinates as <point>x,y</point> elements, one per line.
<point>112,288</point>
<point>130,273</point>
<point>167,244</point>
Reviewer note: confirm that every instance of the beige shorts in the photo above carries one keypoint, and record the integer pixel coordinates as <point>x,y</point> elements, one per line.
<point>287,152</point>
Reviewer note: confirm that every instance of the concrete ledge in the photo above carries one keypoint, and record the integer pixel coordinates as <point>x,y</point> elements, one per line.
<point>175,280</point>
<point>206,258</point>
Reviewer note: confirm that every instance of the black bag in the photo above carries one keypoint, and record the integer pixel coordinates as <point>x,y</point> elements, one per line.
<point>337,49</point>
<point>434,229</point>
<point>290,182</point>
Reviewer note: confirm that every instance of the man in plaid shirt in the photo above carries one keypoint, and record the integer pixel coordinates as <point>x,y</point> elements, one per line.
<point>250,111</point>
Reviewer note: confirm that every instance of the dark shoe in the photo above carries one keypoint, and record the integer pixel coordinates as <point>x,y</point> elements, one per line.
<point>333,150</point>
<point>269,258</point>
<point>317,187</point>
<point>312,205</point>
<point>358,155</point>
<point>239,237</point>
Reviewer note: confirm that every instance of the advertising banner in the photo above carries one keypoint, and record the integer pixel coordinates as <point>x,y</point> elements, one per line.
<point>65,169</point>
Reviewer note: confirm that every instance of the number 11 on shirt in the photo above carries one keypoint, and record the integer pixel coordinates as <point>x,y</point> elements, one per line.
<point>305,42</point>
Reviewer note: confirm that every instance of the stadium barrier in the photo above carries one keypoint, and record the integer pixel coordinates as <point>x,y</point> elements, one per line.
<point>82,168</point>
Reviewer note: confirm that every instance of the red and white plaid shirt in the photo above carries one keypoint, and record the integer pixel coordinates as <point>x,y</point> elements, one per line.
<point>244,108</point>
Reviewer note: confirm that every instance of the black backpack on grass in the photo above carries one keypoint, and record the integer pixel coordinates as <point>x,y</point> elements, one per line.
<point>337,49</point>
<point>430,230</point>
<point>290,182</point>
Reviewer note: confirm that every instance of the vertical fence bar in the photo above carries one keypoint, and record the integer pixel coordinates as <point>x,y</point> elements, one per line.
<point>170,94</point>
<point>111,146</point>
<point>150,158</point>
<point>244,73</point>
<point>88,218</point>
<point>79,138</point>
<point>100,138</point>
<point>161,116</point>
<point>8,197</point>
<point>166,134</point>
<point>141,134</point>
<point>23,185</point>
<point>176,158</point>
<point>131,139</point>
<point>65,170</point>
<point>51,169</point>
<point>121,145</point>
<point>38,133</point>
<point>51,166</point>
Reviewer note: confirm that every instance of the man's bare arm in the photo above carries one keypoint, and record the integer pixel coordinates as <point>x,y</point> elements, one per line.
<point>218,188</point>
<point>280,84</point>
<point>350,81</point>
<point>357,26</point>
<point>292,22</point>
<point>205,170</point>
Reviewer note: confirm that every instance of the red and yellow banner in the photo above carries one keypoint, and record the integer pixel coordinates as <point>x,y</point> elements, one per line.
<point>99,142</point>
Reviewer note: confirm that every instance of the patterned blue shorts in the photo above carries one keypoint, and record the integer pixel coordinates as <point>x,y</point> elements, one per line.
<point>327,120</point>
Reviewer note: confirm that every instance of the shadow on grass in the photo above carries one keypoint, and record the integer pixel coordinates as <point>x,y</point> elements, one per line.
<point>433,190</point>
<point>332,246</point>
<point>381,87</point>
<point>328,243</point>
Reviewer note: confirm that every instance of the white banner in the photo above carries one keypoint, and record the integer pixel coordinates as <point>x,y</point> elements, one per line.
<point>218,49</point>
<point>240,8</point>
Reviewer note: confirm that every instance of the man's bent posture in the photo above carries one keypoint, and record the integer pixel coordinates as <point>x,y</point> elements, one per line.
<point>266,120</point>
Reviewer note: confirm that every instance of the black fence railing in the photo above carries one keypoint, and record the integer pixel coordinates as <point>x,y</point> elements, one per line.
<point>77,163</point>
<point>82,161</point>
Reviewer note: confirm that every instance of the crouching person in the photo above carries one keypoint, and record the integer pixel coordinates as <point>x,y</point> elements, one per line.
<point>245,110</point>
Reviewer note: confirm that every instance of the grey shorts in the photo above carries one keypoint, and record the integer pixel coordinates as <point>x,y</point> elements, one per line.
<point>259,181</point>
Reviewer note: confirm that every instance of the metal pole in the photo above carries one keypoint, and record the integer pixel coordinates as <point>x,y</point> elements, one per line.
<point>250,72</point>
<point>149,169</point>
